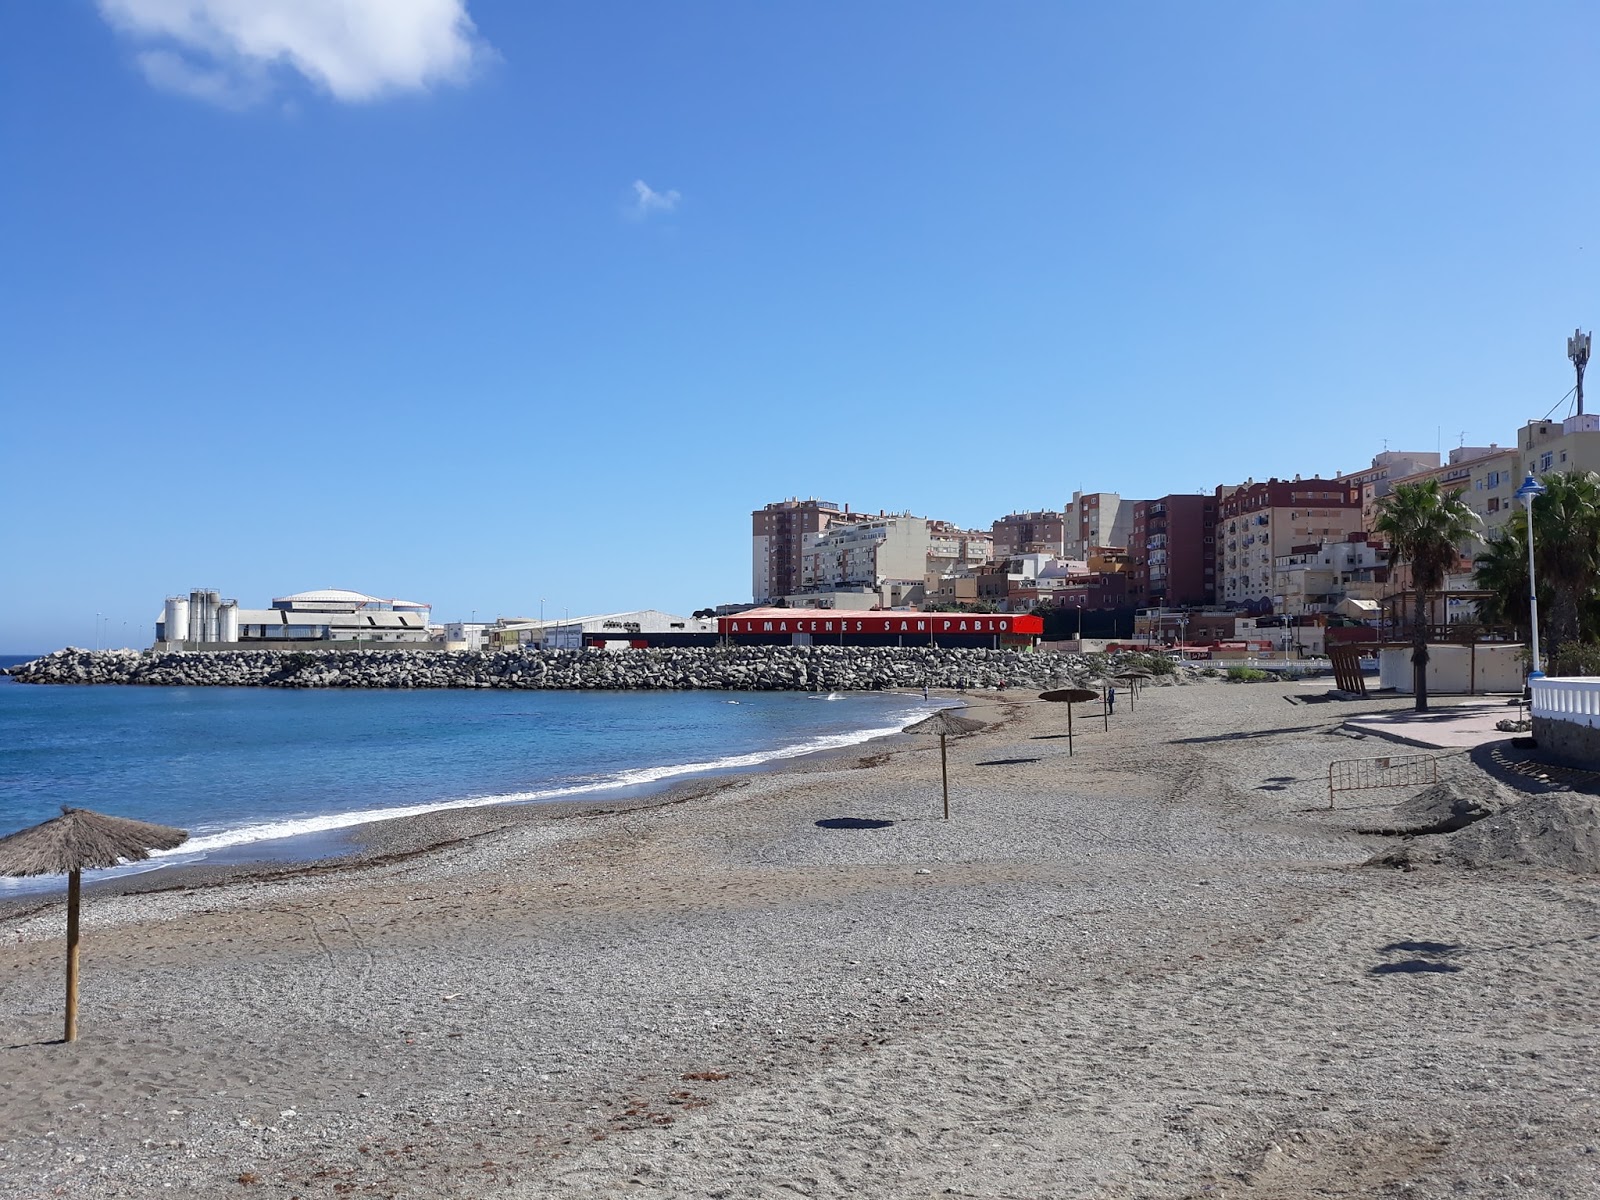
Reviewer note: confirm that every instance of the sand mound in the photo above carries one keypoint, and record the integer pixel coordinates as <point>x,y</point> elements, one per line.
<point>1560,831</point>
<point>1451,805</point>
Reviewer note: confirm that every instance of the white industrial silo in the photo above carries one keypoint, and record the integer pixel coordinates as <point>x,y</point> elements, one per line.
<point>213,610</point>
<point>177,619</point>
<point>197,616</point>
<point>228,621</point>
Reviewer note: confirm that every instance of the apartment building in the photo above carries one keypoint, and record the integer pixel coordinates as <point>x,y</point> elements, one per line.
<point>1483,475</point>
<point>1172,551</point>
<point>867,555</point>
<point>1553,446</point>
<point>1378,480</point>
<point>953,549</point>
<point>1029,533</point>
<point>1491,487</point>
<point>777,542</point>
<point>1096,519</point>
<point>1316,578</point>
<point>1255,520</point>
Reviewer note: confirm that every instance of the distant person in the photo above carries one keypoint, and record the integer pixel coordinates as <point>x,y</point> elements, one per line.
<point>1111,701</point>
<point>924,691</point>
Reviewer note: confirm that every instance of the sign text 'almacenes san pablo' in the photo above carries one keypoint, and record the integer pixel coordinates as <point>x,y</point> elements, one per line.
<point>883,623</point>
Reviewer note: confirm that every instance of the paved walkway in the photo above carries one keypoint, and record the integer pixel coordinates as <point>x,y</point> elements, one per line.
<point>1449,724</point>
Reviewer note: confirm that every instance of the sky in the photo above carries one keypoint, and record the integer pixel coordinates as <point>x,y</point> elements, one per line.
<point>506,306</point>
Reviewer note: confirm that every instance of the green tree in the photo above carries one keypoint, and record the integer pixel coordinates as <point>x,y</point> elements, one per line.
<point>1425,528</point>
<point>1566,549</point>
<point>1501,569</point>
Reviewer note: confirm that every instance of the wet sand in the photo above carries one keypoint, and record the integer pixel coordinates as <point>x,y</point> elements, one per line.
<point>1152,969</point>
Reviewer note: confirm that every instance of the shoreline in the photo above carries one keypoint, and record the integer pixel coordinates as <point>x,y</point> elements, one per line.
<point>385,840</point>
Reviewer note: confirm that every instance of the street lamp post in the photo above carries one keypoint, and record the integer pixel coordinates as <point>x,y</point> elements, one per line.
<point>1578,352</point>
<point>1530,491</point>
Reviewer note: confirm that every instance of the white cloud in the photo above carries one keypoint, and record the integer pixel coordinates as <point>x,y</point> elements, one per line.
<point>229,89</point>
<point>224,51</point>
<point>647,200</point>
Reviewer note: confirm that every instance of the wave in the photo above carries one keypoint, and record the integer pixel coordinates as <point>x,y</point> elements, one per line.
<point>641,777</point>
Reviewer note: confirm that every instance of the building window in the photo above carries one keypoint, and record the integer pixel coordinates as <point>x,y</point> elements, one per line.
<point>1544,461</point>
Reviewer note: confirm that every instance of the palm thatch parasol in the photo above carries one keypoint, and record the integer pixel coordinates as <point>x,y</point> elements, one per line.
<point>946,724</point>
<point>1069,697</point>
<point>77,841</point>
<point>1134,677</point>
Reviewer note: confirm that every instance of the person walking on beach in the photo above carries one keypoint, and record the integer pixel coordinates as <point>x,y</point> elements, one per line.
<point>924,691</point>
<point>1111,701</point>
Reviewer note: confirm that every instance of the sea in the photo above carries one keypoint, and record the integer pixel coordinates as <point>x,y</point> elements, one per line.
<point>268,773</point>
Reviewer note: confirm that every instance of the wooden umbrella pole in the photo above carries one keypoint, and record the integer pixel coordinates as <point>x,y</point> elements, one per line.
<point>1069,730</point>
<point>944,775</point>
<point>74,887</point>
<point>1105,709</point>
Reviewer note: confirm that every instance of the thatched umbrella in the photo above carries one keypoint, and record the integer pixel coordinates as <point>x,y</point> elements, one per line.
<point>77,841</point>
<point>1069,697</point>
<point>946,724</point>
<point>1134,677</point>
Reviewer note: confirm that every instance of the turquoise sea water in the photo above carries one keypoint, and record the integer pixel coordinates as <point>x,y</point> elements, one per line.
<point>244,768</point>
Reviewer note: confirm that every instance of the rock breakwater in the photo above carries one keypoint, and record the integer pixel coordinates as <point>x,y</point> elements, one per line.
<point>733,668</point>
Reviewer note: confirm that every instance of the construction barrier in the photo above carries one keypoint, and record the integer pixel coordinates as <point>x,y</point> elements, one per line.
<point>1391,771</point>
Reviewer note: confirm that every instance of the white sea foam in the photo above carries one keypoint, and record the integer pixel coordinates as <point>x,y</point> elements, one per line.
<point>197,847</point>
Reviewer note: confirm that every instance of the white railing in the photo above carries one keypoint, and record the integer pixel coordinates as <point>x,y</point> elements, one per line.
<point>1576,701</point>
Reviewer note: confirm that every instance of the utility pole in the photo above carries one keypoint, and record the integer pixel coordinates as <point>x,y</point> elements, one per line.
<point>1578,352</point>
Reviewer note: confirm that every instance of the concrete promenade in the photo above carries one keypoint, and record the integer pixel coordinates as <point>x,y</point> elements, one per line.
<point>1451,723</point>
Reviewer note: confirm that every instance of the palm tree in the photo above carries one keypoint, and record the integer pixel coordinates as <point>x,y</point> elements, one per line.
<point>1426,529</point>
<point>1501,569</point>
<point>1566,545</point>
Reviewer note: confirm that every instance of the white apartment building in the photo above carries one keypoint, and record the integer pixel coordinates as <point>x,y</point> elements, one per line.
<point>866,556</point>
<point>1316,579</point>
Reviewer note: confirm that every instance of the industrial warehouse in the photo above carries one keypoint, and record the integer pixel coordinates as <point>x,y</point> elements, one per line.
<point>792,627</point>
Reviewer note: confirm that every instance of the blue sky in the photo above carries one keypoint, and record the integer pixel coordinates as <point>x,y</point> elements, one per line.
<point>375,303</point>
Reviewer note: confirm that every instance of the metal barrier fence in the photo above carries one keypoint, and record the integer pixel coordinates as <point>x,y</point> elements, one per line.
<point>1394,770</point>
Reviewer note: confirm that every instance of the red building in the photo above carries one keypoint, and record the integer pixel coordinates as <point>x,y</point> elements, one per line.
<point>1173,552</point>
<point>833,627</point>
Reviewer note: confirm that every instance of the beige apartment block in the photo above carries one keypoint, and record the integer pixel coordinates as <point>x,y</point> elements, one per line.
<point>1387,469</point>
<point>1550,447</point>
<point>1491,488</point>
<point>951,548</point>
<point>1096,519</point>
<point>1257,521</point>
<point>1482,475</point>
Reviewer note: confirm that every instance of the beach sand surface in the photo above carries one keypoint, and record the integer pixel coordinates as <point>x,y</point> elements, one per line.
<point>1155,968</point>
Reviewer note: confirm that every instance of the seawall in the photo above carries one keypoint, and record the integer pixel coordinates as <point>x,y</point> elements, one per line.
<point>735,668</point>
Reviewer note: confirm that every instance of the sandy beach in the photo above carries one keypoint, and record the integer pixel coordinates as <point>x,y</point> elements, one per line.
<point>1156,968</point>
